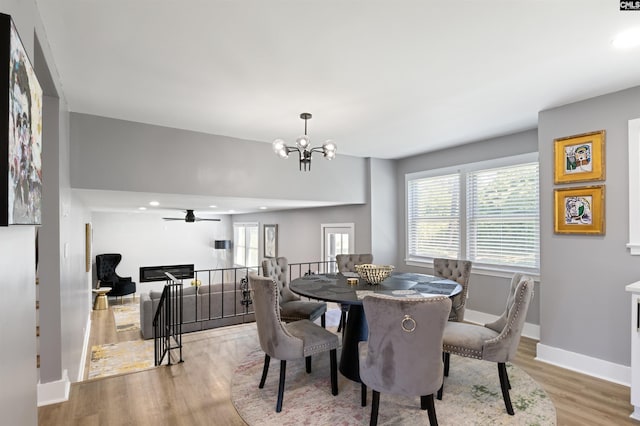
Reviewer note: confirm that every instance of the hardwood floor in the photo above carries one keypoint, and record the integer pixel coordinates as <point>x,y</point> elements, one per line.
<point>579,399</point>
<point>197,392</point>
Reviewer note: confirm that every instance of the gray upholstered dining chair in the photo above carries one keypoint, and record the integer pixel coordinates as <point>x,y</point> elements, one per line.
<point>291,307</point>
<point>403,355</point>
<point>458,271</point>
<point>298,339</point>
<point>497,341</point>
<point>347,263</point>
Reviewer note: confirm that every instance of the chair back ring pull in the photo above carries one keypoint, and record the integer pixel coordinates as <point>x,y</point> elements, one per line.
<point>408,324</point>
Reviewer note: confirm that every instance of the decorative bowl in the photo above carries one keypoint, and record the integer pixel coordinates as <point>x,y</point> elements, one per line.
<point>373,274</point>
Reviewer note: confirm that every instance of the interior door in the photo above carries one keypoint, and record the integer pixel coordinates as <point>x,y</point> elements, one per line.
<point>337,238</point>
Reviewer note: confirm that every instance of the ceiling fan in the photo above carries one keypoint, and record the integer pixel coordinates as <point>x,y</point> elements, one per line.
<point>191,217</point>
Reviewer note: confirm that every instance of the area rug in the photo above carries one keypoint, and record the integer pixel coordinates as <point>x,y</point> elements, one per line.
<point>119,358</point>
<point>127,317</point>
<point>471,397</point>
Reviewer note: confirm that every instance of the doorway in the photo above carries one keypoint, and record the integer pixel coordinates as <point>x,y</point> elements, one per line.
<point>337,238</point>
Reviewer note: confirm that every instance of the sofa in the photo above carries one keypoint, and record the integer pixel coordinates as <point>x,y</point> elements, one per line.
<point>203,307</point>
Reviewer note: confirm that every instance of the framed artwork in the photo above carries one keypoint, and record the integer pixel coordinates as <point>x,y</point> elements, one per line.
<point>20,132</point>
<point>579,210</point>
<point>579,158</point>
<point>87,246</point>
<point>270,240</point>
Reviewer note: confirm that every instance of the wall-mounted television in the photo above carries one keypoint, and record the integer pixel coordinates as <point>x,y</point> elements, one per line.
<point>20,132</point>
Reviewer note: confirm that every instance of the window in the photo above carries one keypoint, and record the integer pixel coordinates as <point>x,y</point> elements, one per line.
<point>503,224</point>
<point>245,238</point>
<point>434,216</point>
<point>485,212</point>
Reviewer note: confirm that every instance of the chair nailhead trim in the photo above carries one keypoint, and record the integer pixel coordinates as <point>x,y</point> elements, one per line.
<point>312,350</point>
<point>466,352</point>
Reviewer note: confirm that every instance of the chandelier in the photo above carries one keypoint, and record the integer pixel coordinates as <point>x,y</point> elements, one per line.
<point>303,147</point>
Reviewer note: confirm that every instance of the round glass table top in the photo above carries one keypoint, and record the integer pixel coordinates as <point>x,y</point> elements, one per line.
<point>334,287</point>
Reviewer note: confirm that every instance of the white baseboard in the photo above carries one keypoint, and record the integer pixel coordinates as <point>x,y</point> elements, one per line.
<point>530,330</point>
<point>573,361</point>
<point>54,392</point>
<point>58,391</point>
<point>584,364</point>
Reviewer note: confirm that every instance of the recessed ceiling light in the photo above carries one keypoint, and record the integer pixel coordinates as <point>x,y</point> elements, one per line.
<point>627,39</point>
<point>232,211</point>
<point>213,207</point>
<point>262,207</point>
<point>142,208</point>
<point>154,203</point>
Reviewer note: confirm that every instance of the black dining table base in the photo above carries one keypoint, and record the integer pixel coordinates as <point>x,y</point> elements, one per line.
<point>355,332</point>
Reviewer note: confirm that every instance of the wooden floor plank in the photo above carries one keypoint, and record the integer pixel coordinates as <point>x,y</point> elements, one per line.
<point>197,392</point>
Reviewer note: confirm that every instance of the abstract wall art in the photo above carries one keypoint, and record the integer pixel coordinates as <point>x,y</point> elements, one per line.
<point>580,158</point>
<point>579,210</point>
<point>20,132</point>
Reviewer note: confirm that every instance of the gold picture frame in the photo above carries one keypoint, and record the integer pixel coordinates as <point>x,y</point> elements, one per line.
<point>87,246</point>
<point>579,158</point>
<point>579,210</point>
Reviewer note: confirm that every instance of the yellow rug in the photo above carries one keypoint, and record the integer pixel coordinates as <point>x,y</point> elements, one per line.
<point>120,358</point>
<point>127,317</point>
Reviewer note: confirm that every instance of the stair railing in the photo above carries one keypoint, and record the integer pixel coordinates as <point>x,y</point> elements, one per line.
<point>168,319</point>
<point>167,322</point>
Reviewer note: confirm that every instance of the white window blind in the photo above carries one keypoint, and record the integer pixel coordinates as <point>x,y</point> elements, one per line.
<point>503,219</point>
<point>434,216</point>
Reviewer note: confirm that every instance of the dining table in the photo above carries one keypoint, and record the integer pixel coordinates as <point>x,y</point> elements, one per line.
<point>335,287</point>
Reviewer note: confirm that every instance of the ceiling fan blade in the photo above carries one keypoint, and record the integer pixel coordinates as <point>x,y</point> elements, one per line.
<point>191,217</point>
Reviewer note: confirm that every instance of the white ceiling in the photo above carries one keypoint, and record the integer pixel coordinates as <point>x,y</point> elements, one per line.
<point>384,79</point>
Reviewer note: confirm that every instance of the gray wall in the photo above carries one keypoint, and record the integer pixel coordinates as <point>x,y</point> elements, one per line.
<point>584,306</point>
<point>299,231</point>
<point>49,243</point>
<point>122,155</point>
<point>487,293</point>
<point>383,198</point>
